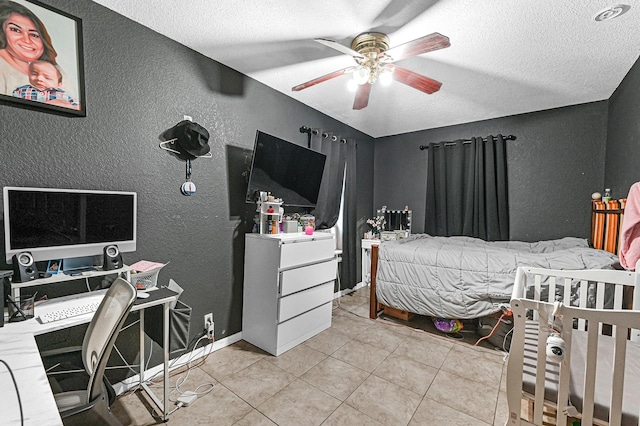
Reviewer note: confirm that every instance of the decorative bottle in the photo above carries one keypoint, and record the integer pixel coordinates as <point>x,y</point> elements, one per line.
<point>607,195</point>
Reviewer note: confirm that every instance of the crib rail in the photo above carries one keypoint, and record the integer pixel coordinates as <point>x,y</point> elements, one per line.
<point>610,332</point>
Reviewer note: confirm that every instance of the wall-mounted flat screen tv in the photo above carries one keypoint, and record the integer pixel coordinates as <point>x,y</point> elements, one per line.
<point>64,223</point>
<point>286,170</point>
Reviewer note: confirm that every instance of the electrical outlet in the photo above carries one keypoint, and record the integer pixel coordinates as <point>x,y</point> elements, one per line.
<point>208,320</point>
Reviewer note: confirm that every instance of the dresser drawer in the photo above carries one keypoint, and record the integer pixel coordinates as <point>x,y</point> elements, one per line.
<point>294,280</point>
<point>302,327</point>
<point>303,252</point>
<point>297,303</point>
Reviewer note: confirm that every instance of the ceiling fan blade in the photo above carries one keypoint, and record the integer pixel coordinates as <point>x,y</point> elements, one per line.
<point>362,96</point>
<point>425,44</point>
<point>340,48</point>
<point>322,79</point>
<point>415,80</point>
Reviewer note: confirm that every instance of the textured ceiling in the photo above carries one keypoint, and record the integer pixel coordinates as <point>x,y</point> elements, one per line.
<point>506,56</point>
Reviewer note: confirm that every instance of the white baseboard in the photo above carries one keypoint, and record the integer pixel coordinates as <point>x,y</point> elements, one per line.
<point>346,291</point>
<point>175,363</point>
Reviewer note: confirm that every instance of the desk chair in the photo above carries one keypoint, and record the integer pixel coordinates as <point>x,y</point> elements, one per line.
<point>84,396</point>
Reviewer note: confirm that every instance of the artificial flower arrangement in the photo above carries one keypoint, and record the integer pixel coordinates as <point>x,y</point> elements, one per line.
<point>377,224</point>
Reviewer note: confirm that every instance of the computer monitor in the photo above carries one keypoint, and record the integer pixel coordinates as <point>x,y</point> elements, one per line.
<point>53,223</point>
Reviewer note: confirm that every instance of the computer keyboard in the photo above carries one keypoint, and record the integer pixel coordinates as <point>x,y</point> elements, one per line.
<point>69,311</point>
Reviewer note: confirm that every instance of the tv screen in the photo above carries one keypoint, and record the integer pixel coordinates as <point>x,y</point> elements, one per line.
<point>65,223</point>
<point>286,170</point>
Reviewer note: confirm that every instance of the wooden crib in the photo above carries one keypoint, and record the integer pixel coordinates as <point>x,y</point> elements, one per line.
<point>598,382</point>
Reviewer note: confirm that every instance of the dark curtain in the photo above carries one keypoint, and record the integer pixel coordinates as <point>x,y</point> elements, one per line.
<point>348,277</point>
<point>467,189</point>
<point>339,172</point>
<point>328,205</point>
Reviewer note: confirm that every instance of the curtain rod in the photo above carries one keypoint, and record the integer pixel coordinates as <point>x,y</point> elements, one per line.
<point>506,138</point>
<point>309,131</point>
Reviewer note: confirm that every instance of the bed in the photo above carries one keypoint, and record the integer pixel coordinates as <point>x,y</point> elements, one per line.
<point>574,362</point>
<point>464,277</point>
<point>472,296</point>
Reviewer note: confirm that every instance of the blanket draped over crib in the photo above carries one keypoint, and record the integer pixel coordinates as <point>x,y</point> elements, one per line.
<point>464,277</point>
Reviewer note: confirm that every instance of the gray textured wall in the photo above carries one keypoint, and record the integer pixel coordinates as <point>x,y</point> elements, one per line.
<point>554,165</point>
<point>138,84</point>
<point>623,135</point>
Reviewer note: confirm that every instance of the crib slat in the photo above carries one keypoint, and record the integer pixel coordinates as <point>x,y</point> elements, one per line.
<point>619,355</point>
<point>600,301</point>
<point>566,297</point>
<point>600,295</point>
<point>537,292</point>
<point>584,287</point>
<point>618,296</point>
<point>635,333</point>
<point>590,375</point>
<point>541,366</point>
<point>552,290</point>
<point>565,372</point>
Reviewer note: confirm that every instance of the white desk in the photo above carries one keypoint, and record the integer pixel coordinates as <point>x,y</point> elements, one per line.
<point>20,351</point>
<point>14,335</point>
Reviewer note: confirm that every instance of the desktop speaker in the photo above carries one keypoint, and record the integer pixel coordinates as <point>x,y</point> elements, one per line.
<point>111,259</point>
<point>24,267</point>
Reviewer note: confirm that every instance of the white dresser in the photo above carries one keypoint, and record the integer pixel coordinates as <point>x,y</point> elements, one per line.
<point>288,289</point>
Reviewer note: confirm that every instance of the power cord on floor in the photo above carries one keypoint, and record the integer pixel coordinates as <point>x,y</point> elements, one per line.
<point>505,313</point>
<point>187,398</point>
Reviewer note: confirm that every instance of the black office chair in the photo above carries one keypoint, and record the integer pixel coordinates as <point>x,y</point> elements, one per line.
<point>84,395</point>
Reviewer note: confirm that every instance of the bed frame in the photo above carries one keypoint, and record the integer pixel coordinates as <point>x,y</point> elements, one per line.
<point>606,224</point>
<point>376,307</point>
<point>598,342</point>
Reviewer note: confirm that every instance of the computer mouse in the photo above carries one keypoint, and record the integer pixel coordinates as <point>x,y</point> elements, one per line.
<point>142,295</point>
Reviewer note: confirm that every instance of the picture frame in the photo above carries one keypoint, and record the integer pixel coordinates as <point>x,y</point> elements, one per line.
<point>42,47</point>
<point>54,266</point>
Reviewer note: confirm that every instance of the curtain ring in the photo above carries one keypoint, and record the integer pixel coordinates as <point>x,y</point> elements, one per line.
<point>334,138</point>
<point>343,140</point>
<point>325,135</point>
<point>315,131</point>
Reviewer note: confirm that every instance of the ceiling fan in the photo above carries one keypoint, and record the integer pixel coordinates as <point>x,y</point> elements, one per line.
<point>375,60</point>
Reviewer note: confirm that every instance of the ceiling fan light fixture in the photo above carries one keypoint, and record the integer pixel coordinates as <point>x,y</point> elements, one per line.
<point>374,59</point>
<point>361,74</point>
<point>386,76</point>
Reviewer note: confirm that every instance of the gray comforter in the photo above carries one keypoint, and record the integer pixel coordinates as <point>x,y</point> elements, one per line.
<point>463,277</point>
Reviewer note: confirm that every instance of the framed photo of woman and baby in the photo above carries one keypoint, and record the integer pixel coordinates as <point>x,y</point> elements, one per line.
<point>41,63</point>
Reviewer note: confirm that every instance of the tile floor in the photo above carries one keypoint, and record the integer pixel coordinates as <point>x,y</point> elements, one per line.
<point>358,372</point>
